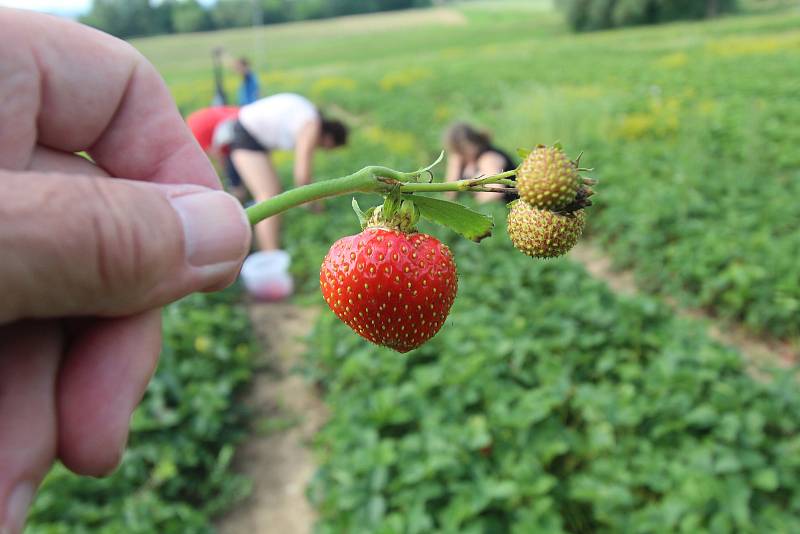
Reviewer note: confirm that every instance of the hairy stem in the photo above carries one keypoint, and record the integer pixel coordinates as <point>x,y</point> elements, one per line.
<point>372,179</point>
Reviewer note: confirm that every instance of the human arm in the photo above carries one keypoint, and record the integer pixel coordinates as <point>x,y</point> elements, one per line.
<point>305,145</point>
<point>91,249</point>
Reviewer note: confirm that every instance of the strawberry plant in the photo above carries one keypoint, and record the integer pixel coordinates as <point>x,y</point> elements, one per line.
<point>176,474</point>
<point>393,285</point>
<point>549,404</point>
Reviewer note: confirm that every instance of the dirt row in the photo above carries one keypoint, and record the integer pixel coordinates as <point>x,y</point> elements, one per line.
<point>758,350</point>
<point>278,458</point>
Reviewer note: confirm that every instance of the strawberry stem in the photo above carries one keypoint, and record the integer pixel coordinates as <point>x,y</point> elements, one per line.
<point>372,179</point>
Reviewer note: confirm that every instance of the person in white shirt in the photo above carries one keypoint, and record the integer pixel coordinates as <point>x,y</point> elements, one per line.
<point>283,121</point>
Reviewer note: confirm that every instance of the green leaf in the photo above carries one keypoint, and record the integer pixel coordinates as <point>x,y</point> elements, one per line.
<point>469,223</point>
<point>766,479</point>
<point>523,152</point>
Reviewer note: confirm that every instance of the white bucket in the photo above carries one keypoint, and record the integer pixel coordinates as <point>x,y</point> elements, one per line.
<point>266,275</point>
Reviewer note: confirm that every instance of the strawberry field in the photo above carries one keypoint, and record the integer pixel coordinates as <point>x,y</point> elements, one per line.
<point>547,403</point>
<point>689,125</point>
<point>175,475</point>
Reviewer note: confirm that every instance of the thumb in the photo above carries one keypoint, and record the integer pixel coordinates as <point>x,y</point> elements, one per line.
<point>82,245</point>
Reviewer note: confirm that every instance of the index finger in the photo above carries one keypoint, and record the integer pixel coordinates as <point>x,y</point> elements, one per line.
<point>72,88</point>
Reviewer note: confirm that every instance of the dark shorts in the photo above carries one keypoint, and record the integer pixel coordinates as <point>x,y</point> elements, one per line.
<point>242,140</point>
<point>230,171</point>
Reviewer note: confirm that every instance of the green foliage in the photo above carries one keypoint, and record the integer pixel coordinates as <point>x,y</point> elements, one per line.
<point>546,404</point>
<point>598,14</point>
<point>240,13</point>
<point>468,223</point>
<point>190,16</point>
<point>127,18</point>
<point>176,473</point>
<point>311,9</point>
<point>131,18</point>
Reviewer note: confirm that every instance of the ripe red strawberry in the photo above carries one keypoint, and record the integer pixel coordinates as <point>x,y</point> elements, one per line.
<point>392,288</point>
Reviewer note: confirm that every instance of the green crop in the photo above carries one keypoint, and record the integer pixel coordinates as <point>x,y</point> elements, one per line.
<point>547,404</point>
<point>176,473</point>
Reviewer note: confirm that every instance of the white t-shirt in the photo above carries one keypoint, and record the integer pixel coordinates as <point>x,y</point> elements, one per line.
<point>276,120</point>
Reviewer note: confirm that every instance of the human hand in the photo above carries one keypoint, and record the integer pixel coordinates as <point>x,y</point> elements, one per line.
<point>86,260</point>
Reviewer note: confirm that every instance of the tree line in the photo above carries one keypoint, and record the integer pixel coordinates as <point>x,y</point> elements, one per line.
<point>586,15</point>
<point>134,18</point>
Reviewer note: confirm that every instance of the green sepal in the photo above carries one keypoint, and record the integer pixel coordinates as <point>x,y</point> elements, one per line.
<point>523,152</point>
<point>409,214</point>
<point>362,217</point>
<point>392,203</point>
<point>469,223</point>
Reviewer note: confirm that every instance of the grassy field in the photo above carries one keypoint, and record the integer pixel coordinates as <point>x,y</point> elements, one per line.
<point>547,403</point>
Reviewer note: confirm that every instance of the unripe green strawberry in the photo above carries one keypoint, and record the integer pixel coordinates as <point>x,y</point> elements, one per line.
<point>543,233</point>
<point>547,179</point>
<point>392,288</point>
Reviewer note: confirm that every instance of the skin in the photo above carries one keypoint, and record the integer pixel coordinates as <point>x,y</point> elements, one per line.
<point>240,68</point>
<point>466,162</point>
<point>261,179</point>
<point>88,260</point>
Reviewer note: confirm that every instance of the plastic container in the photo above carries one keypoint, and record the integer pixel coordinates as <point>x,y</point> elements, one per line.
<point>266,275</point>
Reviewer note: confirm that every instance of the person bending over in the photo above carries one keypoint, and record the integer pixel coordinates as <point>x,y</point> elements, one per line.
<point>284,121</point>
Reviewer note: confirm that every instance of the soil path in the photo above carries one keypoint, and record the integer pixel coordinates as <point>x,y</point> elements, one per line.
<point>756,349</point>
<point>277,457</point>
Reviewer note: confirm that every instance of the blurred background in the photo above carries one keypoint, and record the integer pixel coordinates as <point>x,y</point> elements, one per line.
<point>644,383</point>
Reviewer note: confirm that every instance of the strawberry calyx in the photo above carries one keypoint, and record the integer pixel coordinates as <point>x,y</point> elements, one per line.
<point>396,213</point>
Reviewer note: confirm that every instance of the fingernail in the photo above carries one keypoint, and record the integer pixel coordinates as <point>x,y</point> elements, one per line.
<point>17,508</point>
<point>215,227</point>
